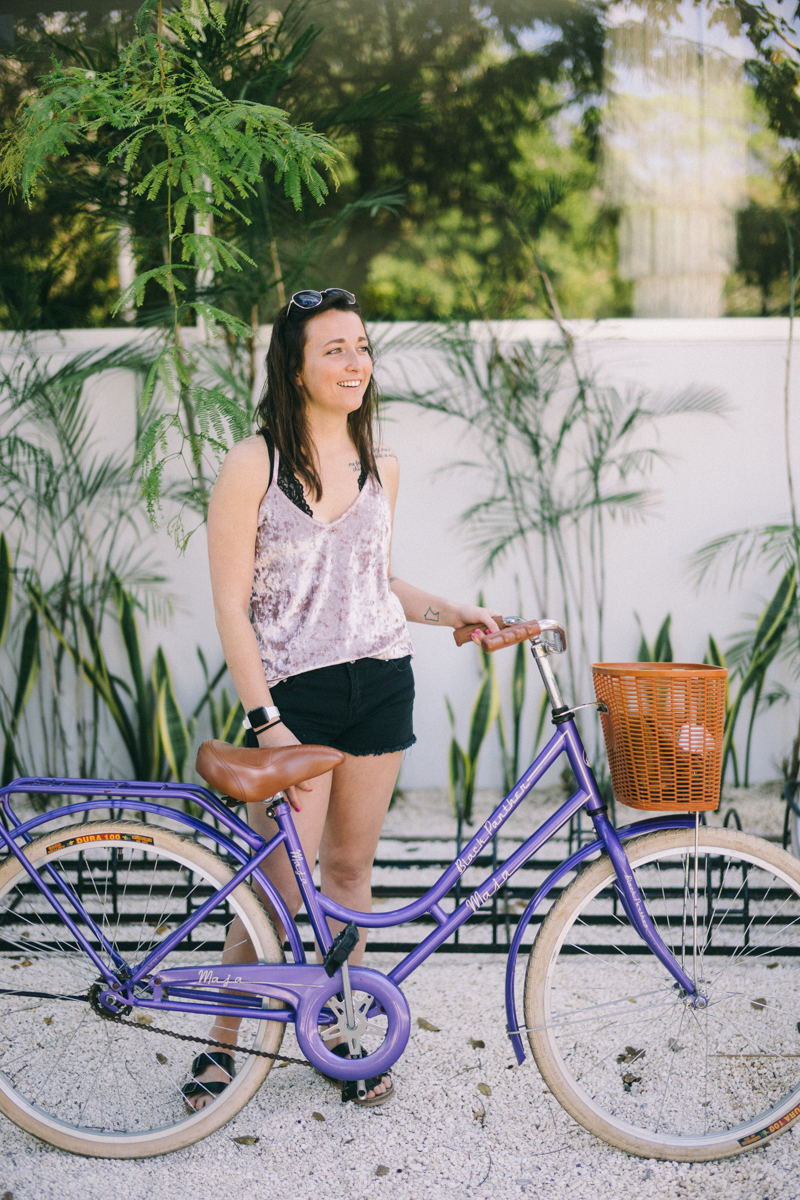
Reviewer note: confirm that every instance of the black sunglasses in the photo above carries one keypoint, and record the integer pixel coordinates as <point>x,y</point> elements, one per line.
<point>312,299</point>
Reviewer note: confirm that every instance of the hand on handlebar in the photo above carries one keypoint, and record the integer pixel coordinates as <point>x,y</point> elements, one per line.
<point>487,618</point>
<point>279,735</point>
<point>517,630</point>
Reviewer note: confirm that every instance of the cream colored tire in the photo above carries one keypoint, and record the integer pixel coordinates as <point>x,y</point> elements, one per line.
<point>68,1076</point>
<point>618,1046</point>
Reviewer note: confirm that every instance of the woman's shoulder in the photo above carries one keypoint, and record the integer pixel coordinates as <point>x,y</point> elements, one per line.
<point>248,450</point>
<point>386,460</point>
<point>246,465</point>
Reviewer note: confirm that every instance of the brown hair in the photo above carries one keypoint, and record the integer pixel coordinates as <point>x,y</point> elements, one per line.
<point>281,411</point>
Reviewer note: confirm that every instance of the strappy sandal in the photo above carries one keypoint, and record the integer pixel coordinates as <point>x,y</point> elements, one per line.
<point>350,1086</point>
<point>196,1087</point>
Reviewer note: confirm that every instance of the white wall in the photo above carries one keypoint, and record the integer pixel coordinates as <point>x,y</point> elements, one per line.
<point>723,474</point>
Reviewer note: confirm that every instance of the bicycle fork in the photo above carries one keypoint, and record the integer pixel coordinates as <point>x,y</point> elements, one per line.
<point>627,888</point>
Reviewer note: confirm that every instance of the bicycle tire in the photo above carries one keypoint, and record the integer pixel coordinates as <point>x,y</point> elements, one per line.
<point>616,1044</point>
<point>72,1078</point>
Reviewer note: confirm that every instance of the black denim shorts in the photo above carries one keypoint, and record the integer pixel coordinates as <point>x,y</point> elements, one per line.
<point>362,707</point>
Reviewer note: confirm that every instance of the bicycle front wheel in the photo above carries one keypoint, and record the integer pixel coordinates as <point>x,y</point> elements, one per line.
<point>622,1050</point>
<point>78,1080</point>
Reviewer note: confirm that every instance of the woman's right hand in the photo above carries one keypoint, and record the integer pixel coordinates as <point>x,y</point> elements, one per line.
<point>279,735</point>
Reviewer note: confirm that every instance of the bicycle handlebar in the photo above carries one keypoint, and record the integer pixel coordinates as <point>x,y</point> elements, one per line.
<point>511,631</point>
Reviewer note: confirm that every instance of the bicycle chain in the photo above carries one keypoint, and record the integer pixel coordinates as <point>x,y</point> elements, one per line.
<point>185,1037</point>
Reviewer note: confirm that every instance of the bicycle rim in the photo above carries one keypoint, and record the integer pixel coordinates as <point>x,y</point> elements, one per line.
<point>620,1048</point>
<point>71,1077</point>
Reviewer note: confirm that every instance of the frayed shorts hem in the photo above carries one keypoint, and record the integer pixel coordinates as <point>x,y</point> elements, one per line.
<point>372,753</point>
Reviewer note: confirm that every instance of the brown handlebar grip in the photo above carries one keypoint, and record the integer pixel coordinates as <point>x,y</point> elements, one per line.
<point>464,632</point>
<point>510,634</point>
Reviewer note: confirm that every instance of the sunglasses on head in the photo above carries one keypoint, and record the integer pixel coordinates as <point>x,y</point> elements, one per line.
<point>309,298</point>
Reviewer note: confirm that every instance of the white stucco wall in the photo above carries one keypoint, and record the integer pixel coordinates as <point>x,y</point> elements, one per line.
<point>720,474</point>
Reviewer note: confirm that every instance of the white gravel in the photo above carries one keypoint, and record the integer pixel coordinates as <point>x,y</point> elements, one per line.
<point>440,1137</point>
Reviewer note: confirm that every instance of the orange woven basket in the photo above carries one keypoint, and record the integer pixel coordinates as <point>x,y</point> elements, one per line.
<point>663,733</point>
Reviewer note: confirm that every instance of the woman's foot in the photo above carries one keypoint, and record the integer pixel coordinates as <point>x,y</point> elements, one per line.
<point>379,1087</point>
<point>211,1074</point>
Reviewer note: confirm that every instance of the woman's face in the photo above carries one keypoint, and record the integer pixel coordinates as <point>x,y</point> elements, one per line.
<point>336,363</point>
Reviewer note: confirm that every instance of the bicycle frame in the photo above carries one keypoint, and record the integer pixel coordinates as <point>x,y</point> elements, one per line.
<point>277,981</point>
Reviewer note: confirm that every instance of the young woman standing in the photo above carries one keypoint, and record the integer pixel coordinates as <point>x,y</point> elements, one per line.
<point>312,623</point>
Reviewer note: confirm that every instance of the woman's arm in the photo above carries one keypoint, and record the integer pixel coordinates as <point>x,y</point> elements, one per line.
<point>427,609</point>
<point>232,527</point>
<point>424,607</point>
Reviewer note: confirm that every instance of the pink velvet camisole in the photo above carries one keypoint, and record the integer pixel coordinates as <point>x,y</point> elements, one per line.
<point>321,591</point>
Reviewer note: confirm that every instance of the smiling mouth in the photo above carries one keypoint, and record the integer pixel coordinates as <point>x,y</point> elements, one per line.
<point>350,383</point>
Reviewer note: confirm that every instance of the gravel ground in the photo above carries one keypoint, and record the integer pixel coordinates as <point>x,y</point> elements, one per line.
<point>441,1137</point>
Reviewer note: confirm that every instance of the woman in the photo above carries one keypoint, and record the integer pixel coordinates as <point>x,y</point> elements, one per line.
<point>312,623</point>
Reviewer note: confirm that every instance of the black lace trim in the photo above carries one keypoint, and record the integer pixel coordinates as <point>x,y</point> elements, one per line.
<point>292,488</point>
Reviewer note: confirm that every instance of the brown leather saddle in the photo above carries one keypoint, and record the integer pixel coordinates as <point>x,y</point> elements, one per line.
<point>252,775</point>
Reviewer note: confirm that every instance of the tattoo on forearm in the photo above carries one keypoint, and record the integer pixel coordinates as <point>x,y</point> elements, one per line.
<point>392,578</point>
<point>430,615</point>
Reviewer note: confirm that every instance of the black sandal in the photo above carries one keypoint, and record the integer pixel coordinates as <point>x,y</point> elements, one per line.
<point>350,1086</point>
<point>196,1087</point>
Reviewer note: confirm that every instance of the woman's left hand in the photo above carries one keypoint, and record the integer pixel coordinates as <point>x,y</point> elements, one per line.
<point>470,614</point>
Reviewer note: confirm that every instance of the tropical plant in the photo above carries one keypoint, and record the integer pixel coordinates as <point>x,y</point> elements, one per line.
<point>661,650</point>
<point>198,154</point>
<point>75,519</point>
<point>560,454</point>
<point>156,737</point>
<point>463,764</point>
<point>774,544</point>
<point>79,572</point>
<point>749,659</point>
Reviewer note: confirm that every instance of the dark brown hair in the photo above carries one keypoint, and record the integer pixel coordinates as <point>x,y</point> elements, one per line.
<point>281,410</point>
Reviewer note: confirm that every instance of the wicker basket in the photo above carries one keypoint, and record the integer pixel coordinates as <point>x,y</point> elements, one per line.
<point>663,733</point>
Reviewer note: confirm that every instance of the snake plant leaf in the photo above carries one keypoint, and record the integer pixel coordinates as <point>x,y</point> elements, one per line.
<point>26,677</point>
<point>662,649</point>
<point>130,638</point>
<point>232,715</point>
<point>484,713</point>
<point>107,687</point>
<point>172,727</point>
<point>458,765</point>
<point>6,586</point>
<point>28,665</point>
<point>770,629</point>
<point>662,646</point>
<point>714,656</point>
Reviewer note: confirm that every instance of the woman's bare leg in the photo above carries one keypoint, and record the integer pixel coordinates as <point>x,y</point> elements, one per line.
<point>359,799</point>
<point>342,820</point>
<point>309,822</point>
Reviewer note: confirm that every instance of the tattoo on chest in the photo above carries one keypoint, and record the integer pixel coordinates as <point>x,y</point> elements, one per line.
<point>355,466</point>
<point>430,615</point>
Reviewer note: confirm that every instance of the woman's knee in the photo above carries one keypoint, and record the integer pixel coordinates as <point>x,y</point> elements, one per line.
<point>345,875</point>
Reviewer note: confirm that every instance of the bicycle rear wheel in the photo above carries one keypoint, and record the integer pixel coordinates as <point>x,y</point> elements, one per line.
<point>616,1043</point>
<point>73,1078</point>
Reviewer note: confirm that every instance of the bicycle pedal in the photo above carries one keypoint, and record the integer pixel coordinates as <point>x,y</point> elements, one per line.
<point>343,945</point>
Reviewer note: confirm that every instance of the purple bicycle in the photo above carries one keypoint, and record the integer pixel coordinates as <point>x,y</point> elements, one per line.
<point>680,1042</point>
